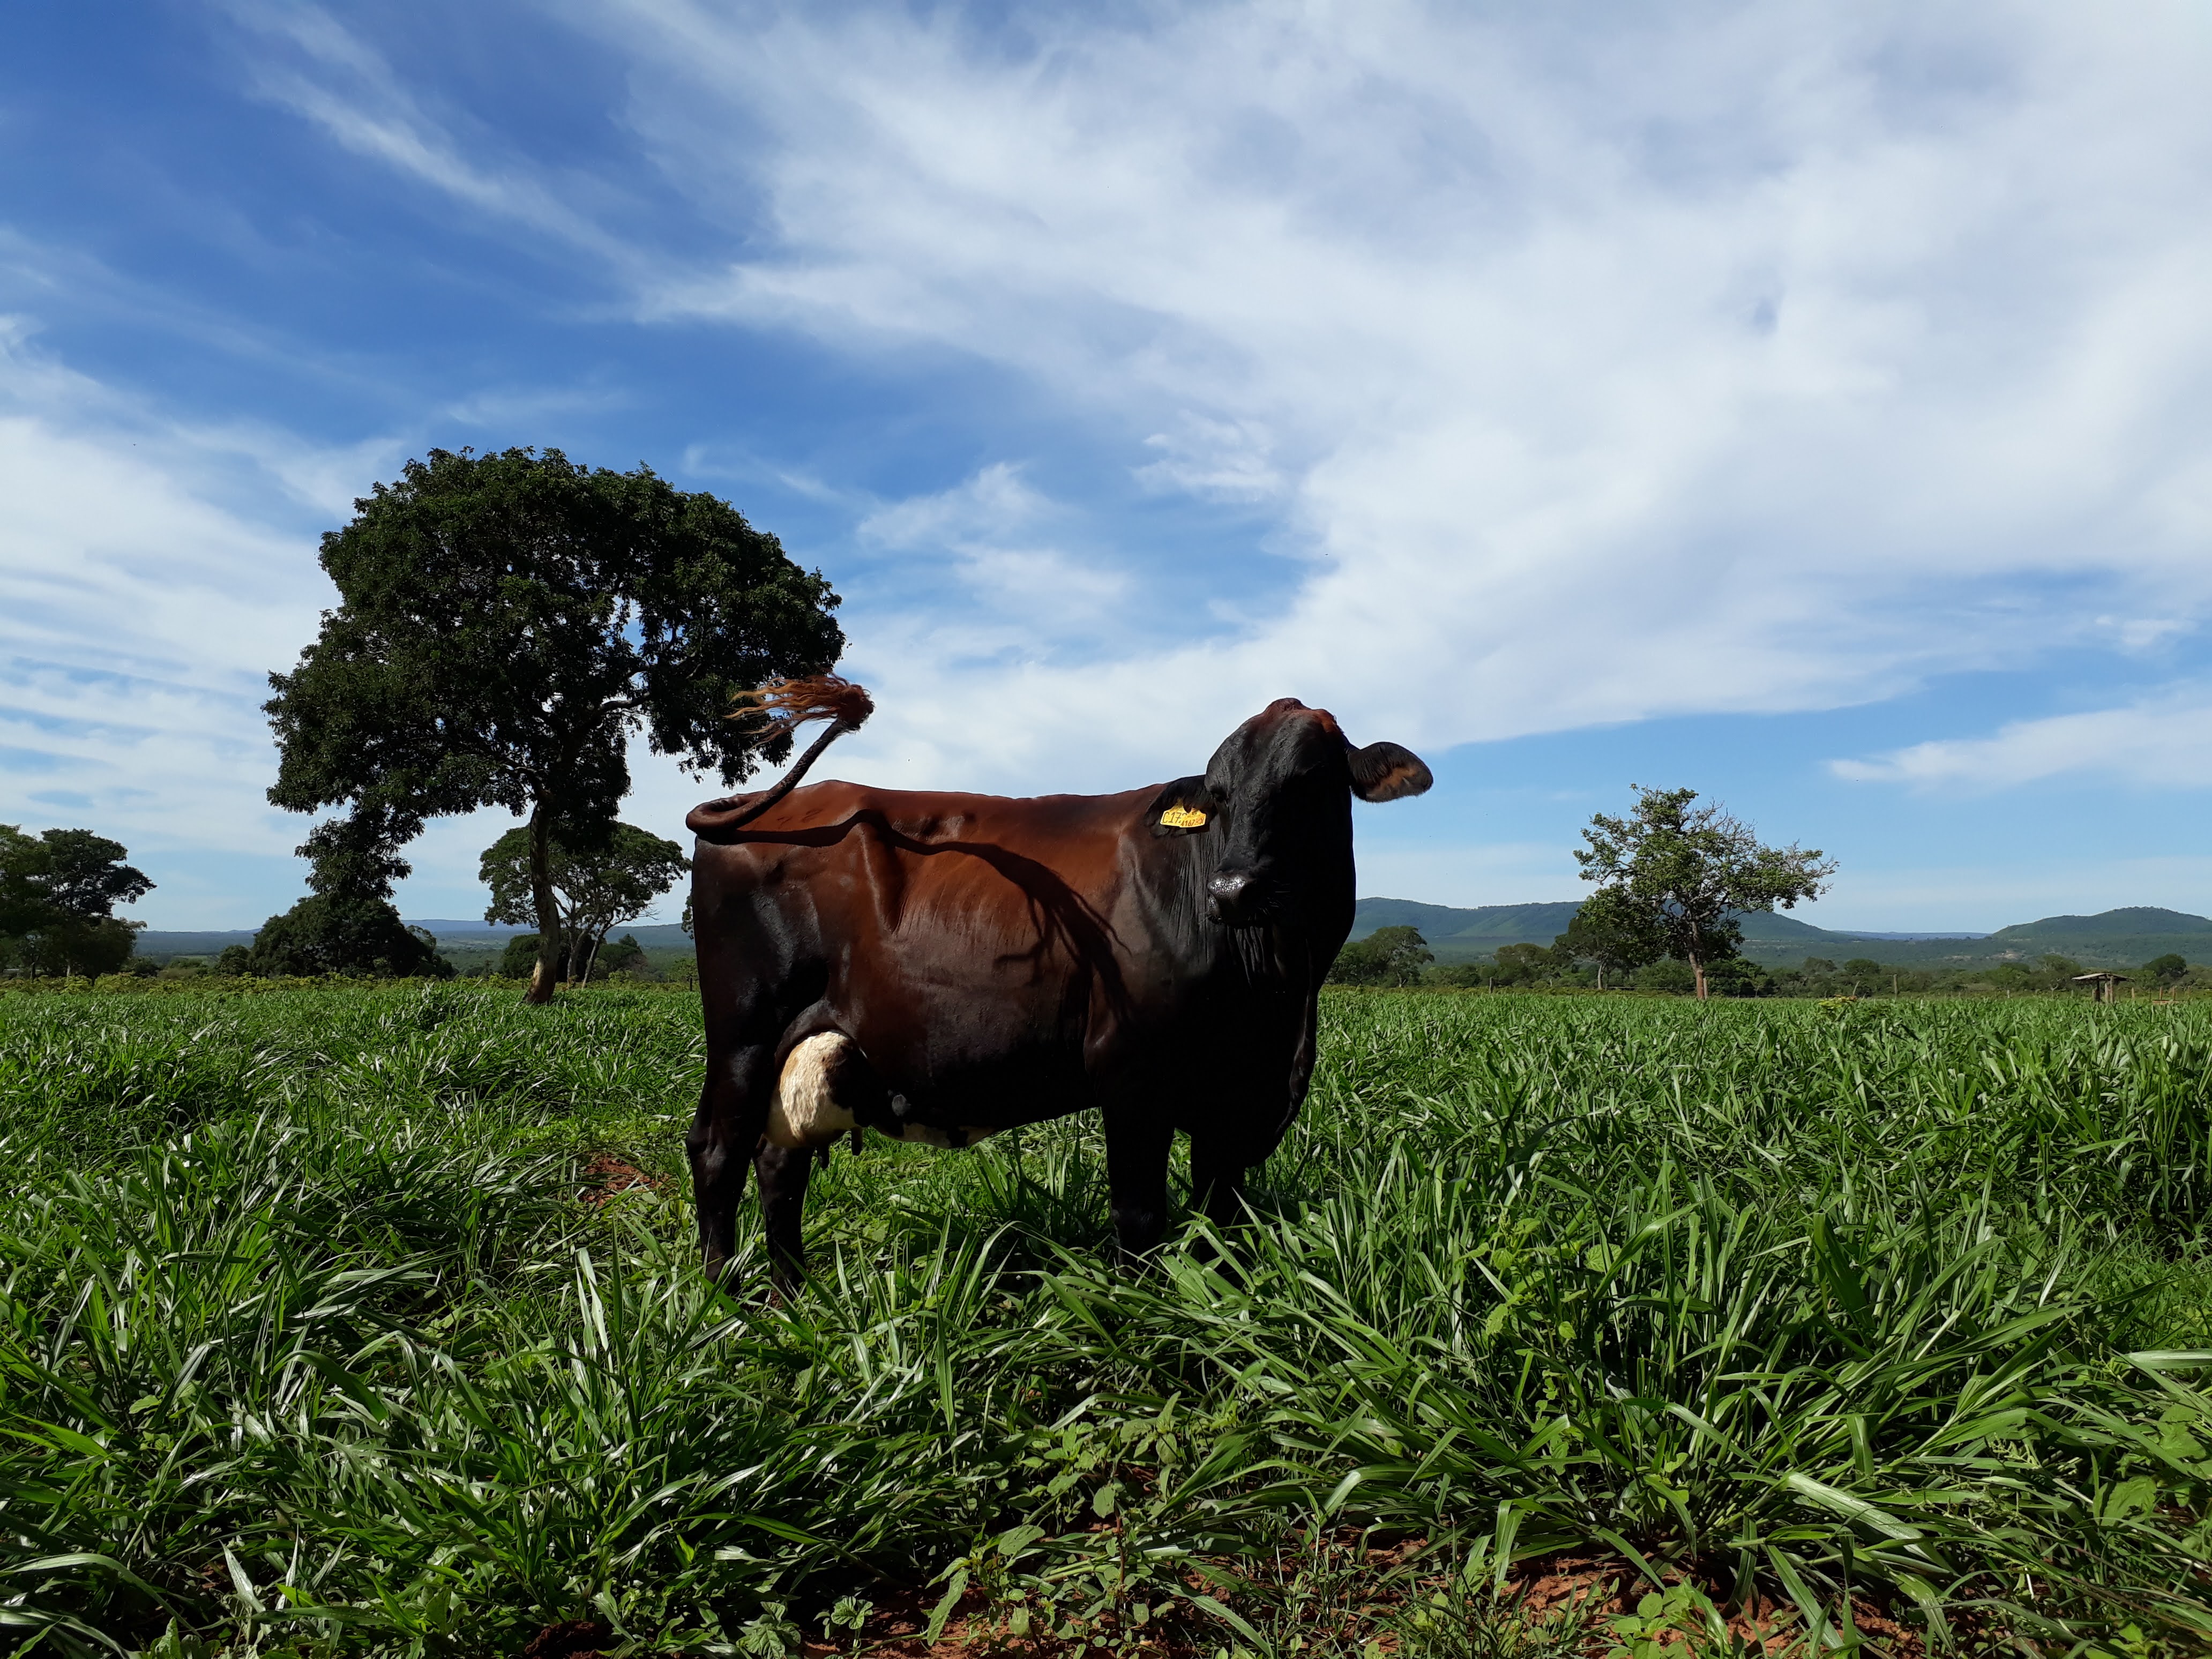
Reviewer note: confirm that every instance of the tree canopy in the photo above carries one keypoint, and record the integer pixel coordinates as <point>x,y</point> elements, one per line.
<point>1683,873</point>
<point>507,622</point>
<point>597,887</point>
<point>2167,970</point>
<point>58,891</point>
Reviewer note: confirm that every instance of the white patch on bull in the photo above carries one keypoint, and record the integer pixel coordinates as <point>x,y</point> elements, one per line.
<point>804,1114</point>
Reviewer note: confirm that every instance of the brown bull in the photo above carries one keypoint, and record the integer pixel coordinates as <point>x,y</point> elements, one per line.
<point>940,967</point>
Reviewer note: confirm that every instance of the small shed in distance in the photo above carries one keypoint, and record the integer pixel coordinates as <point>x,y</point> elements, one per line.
<point>2107,985</point>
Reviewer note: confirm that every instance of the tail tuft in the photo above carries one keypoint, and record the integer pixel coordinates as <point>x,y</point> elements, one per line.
<point>785,705</point>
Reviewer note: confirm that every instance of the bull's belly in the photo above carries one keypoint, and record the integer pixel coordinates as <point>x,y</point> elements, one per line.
<point>807,1116</point>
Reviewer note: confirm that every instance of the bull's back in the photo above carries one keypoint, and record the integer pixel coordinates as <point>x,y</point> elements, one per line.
<point>970,943</point>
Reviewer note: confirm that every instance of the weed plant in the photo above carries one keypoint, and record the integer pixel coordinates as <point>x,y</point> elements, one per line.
<point>308,1343</point>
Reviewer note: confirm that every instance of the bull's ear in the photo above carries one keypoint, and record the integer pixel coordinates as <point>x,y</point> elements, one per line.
<point>1385,771</point>
<point>1185,807</point>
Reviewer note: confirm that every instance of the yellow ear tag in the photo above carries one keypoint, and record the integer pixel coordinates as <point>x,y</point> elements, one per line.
<point>1183,817</point>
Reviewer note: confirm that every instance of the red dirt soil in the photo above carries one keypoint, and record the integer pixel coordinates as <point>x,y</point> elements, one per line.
<point>1591,1589</point>
<point>603,1177</point>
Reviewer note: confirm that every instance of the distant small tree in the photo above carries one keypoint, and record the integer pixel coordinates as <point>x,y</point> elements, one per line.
<point>596,887</point>
<point>1672,977</point>
<point>1733,976</point>
<point>1687,872</point>
<point>1524,964</point>
<point>58,891</point>
<point>23,883</point>
<point>507,623</point>
<point>519,959</point>
<point>347,924</point>
<point>2165,970</point>
<point>624,955</point>
<point>1618,936</point>
<point>342,934</point>
<point>1389,956</point>
<point>1863,972</point>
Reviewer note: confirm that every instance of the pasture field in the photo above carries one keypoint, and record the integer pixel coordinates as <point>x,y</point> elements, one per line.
<point>365,1321</point>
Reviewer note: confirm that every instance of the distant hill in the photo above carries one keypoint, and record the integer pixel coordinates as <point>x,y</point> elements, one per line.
<point>2122,938</point>
<point>2142,921</point>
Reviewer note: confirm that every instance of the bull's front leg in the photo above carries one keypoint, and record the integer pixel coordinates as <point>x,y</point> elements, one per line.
<point>1137,1143</point>
<point>732,1111</point>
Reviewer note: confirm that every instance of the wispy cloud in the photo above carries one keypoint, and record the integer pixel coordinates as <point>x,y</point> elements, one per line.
<point>1737,355</point>
<point>1224,460</point>
<point>143,605</point>
<point>2165,743</point>
<point>324,72</point>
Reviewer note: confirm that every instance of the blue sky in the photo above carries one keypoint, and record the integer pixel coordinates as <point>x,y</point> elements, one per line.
<point>1812,406</point>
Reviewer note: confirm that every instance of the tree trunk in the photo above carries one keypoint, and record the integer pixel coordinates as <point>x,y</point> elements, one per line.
<point>1698,967</point>
<point>545,976</point>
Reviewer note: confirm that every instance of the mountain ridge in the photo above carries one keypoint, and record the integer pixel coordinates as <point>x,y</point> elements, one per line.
<point>2125,937</point>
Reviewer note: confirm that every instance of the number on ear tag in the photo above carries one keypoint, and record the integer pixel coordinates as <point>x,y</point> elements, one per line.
<point>1183,817</point>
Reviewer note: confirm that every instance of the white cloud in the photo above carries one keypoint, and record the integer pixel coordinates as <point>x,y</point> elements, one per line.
<point>1608,365</point>
<point>997,588</point>
<point>1225,460</point>
<point>2163,744</point>
<point>155,571</point>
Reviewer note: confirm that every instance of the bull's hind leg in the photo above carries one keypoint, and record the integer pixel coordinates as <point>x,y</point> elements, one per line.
<point>782,1172</point>
<point>1136,1144</point>
<point>1217,1180</point>
<point>732,1109</point>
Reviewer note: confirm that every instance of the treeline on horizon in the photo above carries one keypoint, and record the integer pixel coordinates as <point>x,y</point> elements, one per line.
<point>1399,958</point>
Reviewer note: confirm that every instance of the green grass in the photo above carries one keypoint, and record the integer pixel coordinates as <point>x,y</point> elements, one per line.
<point>308,1344</point>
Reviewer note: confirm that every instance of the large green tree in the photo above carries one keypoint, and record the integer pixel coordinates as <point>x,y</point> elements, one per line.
<point>598,887</point>
<point>509,622</point>
<point>1684,874</point>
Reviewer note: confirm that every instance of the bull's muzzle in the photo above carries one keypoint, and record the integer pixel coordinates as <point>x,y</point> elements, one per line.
<point>1232,897</point>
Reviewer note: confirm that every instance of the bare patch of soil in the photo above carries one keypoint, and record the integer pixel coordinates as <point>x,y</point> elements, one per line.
<point>607,1174</point>
<point>573,1638</point>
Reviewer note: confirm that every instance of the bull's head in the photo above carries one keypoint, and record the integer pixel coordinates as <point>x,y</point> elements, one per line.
<point>1276,800</point>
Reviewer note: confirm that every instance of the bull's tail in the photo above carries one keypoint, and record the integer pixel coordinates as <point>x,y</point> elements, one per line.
<point>785,705</point>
